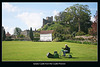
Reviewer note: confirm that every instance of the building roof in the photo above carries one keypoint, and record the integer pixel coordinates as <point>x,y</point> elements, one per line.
<point>46,32</point>
<point>8,34</point>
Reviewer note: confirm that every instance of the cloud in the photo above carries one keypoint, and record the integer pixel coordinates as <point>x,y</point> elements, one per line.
<point>55,12</point>
<point>8,7</point>
<point>33,20</point>
<point>8,29</point>
<point>92,19</point>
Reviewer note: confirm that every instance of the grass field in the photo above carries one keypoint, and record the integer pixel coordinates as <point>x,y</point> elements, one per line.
<point>36,51</point>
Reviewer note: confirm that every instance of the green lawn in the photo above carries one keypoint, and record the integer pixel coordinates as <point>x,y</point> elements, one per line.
<point>36,51</point>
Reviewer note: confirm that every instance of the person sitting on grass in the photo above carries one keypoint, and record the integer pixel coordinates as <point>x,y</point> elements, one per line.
<point>65,50</point>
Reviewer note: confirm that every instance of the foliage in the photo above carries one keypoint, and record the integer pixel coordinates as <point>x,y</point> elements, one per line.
<point>4,35</point>
<point>80,33</point>
<point>36,39</point>
<point>93,30</point>
<point>39,29</point>
<point>72,19</point>
<point>74,33</point>
<point>20,36</point>
<point>9,38</point>
<point>17,31</point>
<point>87,35</point>
<point>56,40</point>
<point>95,43</point>
<point>31,34</point>
<point>79,38</point>
<point>18,39</point>
<point>78,17</point>
<point>67,36</point>
<point>73,41</point>
<point>36,34</point>
<point>80,14</point>
<point>60,30</point>
<point>86,42</point>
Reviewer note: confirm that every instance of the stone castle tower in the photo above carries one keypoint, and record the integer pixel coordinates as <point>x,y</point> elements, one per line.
<point>47,20</point>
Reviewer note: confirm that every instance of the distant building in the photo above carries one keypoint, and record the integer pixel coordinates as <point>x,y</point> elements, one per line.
<point>8,34</point>
<point>46,35</point>
<point>47,20</point>
<point>13,36</point>
<point>25,33</point>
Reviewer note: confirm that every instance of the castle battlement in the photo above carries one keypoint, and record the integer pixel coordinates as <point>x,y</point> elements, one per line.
<point>47,20</point>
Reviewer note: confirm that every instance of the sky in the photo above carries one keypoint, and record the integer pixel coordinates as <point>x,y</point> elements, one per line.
<point>30,14</point>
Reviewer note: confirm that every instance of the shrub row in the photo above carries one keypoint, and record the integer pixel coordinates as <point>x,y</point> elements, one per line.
<point>18,39</point>
<point>80,33</point>
<point>36,39</point>
<point>78,38</point>
<point>73,41</point>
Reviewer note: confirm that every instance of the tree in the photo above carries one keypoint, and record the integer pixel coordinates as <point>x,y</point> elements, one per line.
<point>4,35</point>
<point>17,31</point>
<point>78,16</point>
<point>60,17</point>
<point>36,34</point>
<point>93,30</point>
<point>31,34</point>
<point>20,36</point>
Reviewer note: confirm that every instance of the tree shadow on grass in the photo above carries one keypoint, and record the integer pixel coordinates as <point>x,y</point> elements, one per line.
<point>55,58</point>
<point>73,57</point>
<point>70,58</point>
<point>65,57</point>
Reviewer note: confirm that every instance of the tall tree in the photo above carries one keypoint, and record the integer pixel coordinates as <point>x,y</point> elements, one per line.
<point>93,30</point>
<point>17,31</point>
<point>4,34</point>
<point>78,16</point>
<point>31,34</point>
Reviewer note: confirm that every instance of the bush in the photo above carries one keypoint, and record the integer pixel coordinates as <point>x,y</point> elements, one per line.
<point>9,38</point>
<point>80,33</point>
<point>86,42</point>
<point>72,41</point>
<point>80,38</point>
<point>73,38</point>
<point>56,39</point>
<point>18,39</point>
<point>67,36</point>
<point>95,43</point>
<point>73,34</point>
<point>87,35</point>
<point>36,34</point>
<point>36,39</point>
